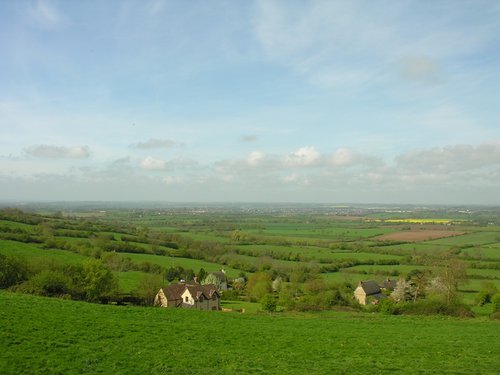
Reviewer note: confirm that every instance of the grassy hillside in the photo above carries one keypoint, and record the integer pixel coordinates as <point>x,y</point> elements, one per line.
<point>42,335</point>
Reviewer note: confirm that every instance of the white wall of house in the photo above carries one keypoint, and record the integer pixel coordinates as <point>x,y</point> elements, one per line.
<point>360,295</point>
<point>187,298</point>
<point>160,299</point>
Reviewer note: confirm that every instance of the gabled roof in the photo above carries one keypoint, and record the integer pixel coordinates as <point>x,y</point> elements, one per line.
<point>175,291</point>
<point>207,290</point>
<point>388,284</point>
<point>370,287</point>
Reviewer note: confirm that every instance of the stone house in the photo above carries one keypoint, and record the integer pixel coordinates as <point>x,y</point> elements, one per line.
<point>189,295</point>
<point>388,284</point>
<point>368,292</point>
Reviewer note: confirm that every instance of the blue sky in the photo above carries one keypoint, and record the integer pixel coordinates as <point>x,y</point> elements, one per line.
<point>295,101</point>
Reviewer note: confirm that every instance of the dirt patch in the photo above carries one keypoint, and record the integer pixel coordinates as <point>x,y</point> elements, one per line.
<point>418,235</point>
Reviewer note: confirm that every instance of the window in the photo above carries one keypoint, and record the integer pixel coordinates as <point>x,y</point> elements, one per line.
<point>201,298</point>
<point>187,299</point>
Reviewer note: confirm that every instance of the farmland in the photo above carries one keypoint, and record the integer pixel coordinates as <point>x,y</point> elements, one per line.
<point>317,255</point>
<point>69,337</point>
<point>342,245</point>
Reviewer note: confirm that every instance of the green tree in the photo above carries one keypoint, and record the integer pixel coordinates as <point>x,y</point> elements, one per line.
<point>148,286</point>
<point>100,284</point>
<point>12,271</point>
<point>452,273</point>
<point>201,275</point>
<point>258,285</point>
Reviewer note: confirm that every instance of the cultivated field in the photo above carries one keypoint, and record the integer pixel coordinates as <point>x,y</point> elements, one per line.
<point>418,235</point>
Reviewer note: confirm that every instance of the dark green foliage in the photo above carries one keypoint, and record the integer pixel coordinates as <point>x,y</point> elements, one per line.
<point>482,298</point>
<point>495,300</point>
<point>269,303</point>
<point>201,275</point>
<point>48,283</point>
<point>231,295</point>
<point>148,286</point>
<point>388,306</point>
<point>100,283</point>
<point>435,307</point>
<point>12,271</point>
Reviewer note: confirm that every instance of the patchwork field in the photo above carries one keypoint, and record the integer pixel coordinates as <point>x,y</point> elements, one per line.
<point>418,235</point>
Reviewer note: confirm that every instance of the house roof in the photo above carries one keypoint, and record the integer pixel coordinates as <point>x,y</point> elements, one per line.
<point>370,287</point>
<point>175,291</point>
<point>388,284</point>
<point>207,290</point>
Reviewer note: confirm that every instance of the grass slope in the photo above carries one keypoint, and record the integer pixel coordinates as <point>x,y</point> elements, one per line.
<point>41,335</point>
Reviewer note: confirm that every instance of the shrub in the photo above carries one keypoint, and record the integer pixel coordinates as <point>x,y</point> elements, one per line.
<point>12,271</point>
<point>436,307</point>
<point>231,295</point>
<point>48,283</point>
<point>482,298</point>
<point>495,300</point>
<point>269,303</point>
<point>388,306</point>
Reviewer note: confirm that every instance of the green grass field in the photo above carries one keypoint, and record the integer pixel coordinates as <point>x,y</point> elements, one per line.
<point>312,252</point>
<point>34,253</point>
<point>194,264</point>
<point>478,238</point>
<point>43,335</point>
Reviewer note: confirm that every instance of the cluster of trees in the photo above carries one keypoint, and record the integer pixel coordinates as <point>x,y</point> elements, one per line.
<point>302,290</point>
<point>91,281</point>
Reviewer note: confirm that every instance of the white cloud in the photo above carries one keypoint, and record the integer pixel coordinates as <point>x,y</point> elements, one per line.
<point>255,158</point>
<point>456,158</point>
<point>304,156</point>
<point>296,178</point>
<point>343,157</point>
<point>58,152</point>
<point>153,143</point>
<point>152,164</point>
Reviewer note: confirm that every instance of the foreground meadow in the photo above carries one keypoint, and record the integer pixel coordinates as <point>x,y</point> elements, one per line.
<point>45,335</point>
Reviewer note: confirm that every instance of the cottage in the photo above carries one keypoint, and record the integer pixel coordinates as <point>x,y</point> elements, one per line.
<point>388,284</point>
<point>368,291</point>
<point>192,295</point>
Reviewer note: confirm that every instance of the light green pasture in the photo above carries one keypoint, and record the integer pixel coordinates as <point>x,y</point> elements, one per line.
<point>34,253</point>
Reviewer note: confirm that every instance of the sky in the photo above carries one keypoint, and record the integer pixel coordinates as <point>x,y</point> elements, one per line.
<point>250,101</point>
